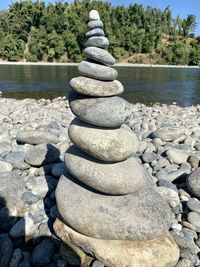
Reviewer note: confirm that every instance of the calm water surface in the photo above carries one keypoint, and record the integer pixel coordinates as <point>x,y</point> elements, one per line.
<point>144,84</point>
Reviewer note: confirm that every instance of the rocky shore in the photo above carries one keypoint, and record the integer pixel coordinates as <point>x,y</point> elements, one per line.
<point>33,140</point>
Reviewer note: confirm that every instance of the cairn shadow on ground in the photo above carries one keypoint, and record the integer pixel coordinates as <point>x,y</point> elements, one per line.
<point>40,250</point>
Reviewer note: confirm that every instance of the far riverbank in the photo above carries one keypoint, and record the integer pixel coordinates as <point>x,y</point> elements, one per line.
<point>76,64</point>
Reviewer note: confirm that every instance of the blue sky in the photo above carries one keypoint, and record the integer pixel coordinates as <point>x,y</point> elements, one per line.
<point>182,8</point>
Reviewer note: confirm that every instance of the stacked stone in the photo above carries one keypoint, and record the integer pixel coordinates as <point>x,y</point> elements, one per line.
<point>107,197</point>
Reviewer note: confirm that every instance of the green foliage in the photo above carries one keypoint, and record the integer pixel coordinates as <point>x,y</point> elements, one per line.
<point>56,32</point>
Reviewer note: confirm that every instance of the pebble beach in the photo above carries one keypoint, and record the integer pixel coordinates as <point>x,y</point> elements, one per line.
<point>33,141</point>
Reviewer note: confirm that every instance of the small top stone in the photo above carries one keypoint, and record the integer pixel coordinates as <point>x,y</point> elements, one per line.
<point>94,15</point>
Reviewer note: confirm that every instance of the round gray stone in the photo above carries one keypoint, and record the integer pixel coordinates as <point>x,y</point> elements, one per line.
<point>177,156</point>
<point>166,183</point>
<point>142,215</point>
<point>58,169</point>
<point>95,32</point>
<point>185,263</point>
<point>168,133</point>
<point>97,71</point>
<point>42,154</point>
<point>110,145</point>
<point>149,157</point>
<point>193,182</point>
<point>92,87</point>
<point>193,205</point>
<point>93,24</point>
<point>15,157</point>
<point>194,218</point>
<point>43,254</point>
<point>99,55</point>
<point>5,166</point>
<point>112,178</point>
<point>11,189</point>
<point>94,15</point>
<point>97,41</point>
<point>18,229</point>
<point>104,111</point>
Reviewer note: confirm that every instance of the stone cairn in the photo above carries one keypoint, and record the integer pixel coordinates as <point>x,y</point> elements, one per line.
<point>107,201</point>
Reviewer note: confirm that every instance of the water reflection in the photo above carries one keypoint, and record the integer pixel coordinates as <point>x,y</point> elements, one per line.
<point>145,85</point>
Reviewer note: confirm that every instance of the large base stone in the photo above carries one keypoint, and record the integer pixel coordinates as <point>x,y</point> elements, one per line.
<point>157,252</point>
<point>141,215</point>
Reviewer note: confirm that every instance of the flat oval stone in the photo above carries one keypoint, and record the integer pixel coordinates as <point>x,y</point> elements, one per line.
<point>97,71</point>
<point>104,111</point>
<point>168,133</point>
<point>123,177</point>
<point>99,55</point>
<point>95,24</point>
<point>36,137</point>
<point>110,145</point>
<point>97,41</point>
<point>142,215</point>
<point>92,87</point>
<point>95,32</point>
<point>193,205</point>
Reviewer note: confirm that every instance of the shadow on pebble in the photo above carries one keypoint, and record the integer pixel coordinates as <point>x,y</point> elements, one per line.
<point>19,247</point>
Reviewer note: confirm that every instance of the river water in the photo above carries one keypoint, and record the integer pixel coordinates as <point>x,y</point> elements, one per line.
<point>142,84</point>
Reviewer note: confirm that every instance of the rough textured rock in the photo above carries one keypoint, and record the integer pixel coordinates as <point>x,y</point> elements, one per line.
<point>35,137</point>
<point>193,182</point>
<point>105,111</point>
<point>185,263</point>
<point>169,133</point>
<point>93,24</point>
<point>103,143</point>
<point>139,216</point>
<point>91,87</point>
<point>99,55</point>
<point>42,154</point>
<point>157,252</point>
<point>113,178</point>
<point>95,32</point>
<point>97,71</point>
